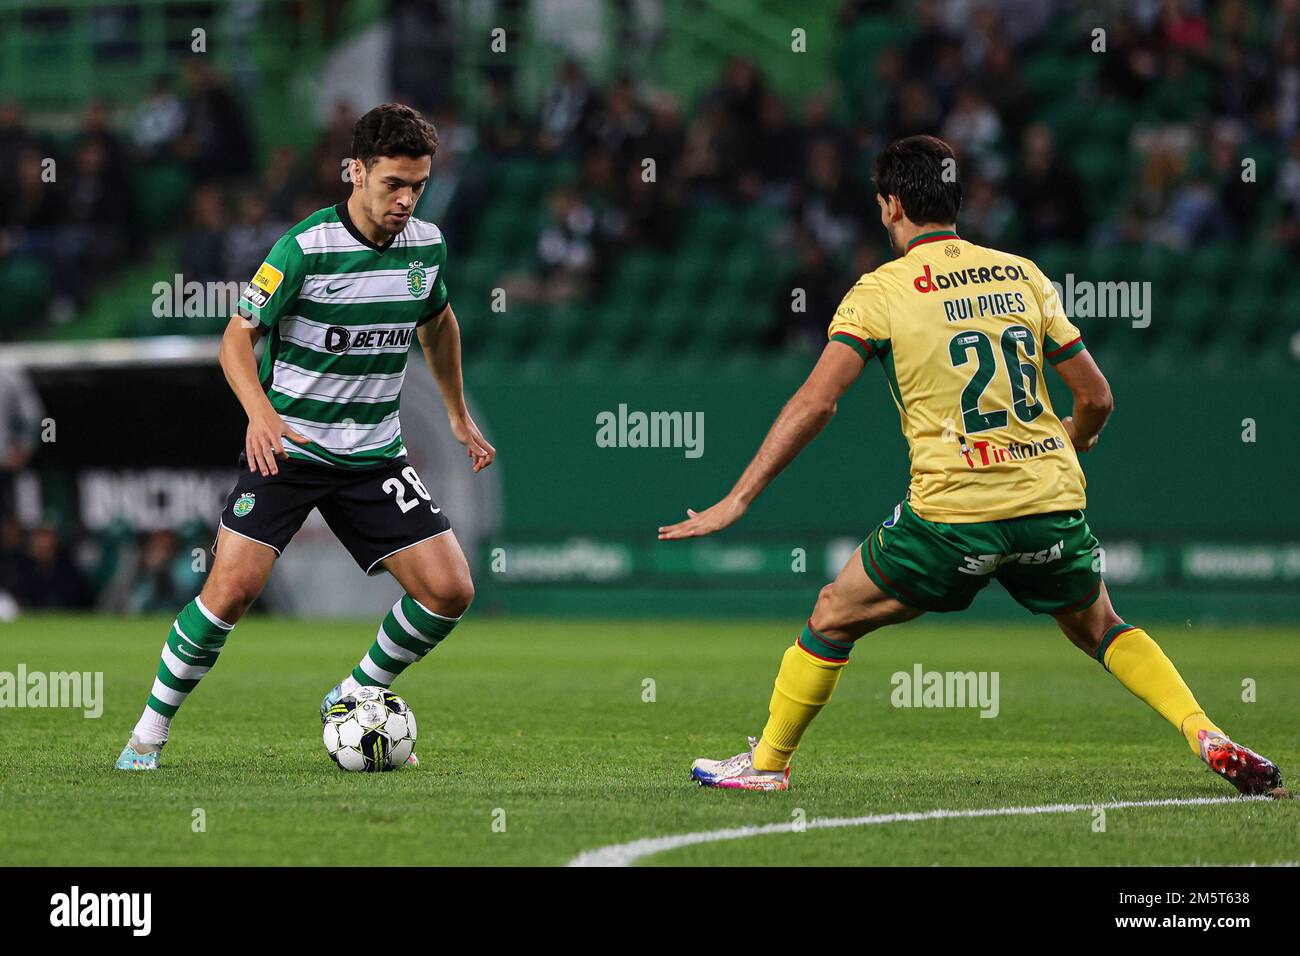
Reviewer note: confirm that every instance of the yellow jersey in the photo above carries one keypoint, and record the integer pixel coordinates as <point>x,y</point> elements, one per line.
<point>962,332</point>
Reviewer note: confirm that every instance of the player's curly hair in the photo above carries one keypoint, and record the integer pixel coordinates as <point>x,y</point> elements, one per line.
<point>922,172</point>
<point>393,129</point>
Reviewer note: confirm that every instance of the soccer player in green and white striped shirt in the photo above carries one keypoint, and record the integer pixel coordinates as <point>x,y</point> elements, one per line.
<point>339,299</point>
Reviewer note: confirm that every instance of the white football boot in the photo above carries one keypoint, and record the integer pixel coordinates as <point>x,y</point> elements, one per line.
<point>738,773</point>
<point>137,755</point>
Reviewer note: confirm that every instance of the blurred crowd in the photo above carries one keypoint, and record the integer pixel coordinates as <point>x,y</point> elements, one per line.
<point>1209,83</point>
<point>1199,88</point>
<point>65,208</point>
<point>76,206</point>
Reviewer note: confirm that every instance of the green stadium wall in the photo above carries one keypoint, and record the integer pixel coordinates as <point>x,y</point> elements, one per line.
<point>1202,522</point>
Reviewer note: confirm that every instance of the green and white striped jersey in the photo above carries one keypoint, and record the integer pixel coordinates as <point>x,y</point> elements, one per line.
<point>340,313</point>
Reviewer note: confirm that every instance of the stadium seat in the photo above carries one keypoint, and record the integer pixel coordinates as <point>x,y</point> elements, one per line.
<point>1052,73</point>
<point>160,192</point>
<point>1213,261</point>
<point>24,289</point>
<point>1056,260</point>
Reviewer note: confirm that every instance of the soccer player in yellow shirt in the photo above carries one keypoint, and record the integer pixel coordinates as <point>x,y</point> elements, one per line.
<point>963,333</point>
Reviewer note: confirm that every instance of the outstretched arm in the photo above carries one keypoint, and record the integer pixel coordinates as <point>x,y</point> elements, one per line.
<point>440,339</point>
<point>803,417</point>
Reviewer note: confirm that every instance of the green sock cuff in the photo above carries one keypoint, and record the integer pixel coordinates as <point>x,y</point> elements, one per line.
<point>200,629</point>
<point>818,645</point>
<point>428,623</point>
<point>1109,638</point>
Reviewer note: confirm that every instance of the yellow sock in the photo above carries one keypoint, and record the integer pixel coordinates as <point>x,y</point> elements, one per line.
<point>809,672</point>
<point>1138,663</point>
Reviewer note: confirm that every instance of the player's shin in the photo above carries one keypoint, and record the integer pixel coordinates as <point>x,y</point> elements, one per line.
<point>1137,662</point>
<point>408,632</point>
<point>809,672</point>
<point>196,638</point>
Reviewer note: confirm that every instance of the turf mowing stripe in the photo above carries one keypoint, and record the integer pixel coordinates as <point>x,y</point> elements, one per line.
<point>625,854</point>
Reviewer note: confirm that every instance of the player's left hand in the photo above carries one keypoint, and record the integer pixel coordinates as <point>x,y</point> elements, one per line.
<point>476,446</point>
<point>698,523</point>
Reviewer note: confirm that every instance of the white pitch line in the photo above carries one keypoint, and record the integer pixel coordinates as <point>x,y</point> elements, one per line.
<point>625,854</point>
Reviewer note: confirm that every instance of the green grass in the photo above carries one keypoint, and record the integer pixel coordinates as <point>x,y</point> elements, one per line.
<point>545,721</point>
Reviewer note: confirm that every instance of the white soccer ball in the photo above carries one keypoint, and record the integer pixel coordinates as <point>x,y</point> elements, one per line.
<point>370,730</point>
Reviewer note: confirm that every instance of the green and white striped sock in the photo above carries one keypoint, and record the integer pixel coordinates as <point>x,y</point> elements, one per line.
<point>409,631</point>
<point>196,638</point>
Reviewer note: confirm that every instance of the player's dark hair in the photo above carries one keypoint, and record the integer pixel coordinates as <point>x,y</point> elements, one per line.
<point>392,130</point>
<point>913,169</point>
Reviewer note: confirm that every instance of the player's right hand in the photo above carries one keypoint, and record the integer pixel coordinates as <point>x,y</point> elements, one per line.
<point>699,523</point>
<point>262,442</point>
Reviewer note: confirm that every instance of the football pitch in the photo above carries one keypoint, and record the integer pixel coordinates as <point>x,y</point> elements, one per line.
<point>543,739</point>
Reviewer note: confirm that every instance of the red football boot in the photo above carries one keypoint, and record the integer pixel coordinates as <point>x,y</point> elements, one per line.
<point>1246,770</point>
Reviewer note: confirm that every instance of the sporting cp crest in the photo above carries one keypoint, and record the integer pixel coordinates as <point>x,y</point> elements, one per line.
<point>416,278</point>
<point>244,504</point>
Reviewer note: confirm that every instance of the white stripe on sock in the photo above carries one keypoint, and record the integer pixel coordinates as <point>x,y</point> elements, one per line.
<point>407,626</point>
<point>375,672</point>
<point>395,651</point>
<point>167,695</point>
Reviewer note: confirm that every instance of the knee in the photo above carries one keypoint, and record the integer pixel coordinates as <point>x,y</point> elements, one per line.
<point>448,598</point>
<point>837,615</point>
<point>229,597</point>
<point>1087,635</point>
<point>826,615</point>
<point>461,597</point>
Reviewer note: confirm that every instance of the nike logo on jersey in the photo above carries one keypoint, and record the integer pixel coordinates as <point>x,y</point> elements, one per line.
<point>331,289</point>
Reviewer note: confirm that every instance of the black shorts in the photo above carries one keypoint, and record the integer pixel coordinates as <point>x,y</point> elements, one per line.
<point>374,511</point>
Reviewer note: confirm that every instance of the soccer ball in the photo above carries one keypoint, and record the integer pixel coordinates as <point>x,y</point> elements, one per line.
<point>370,730</point>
